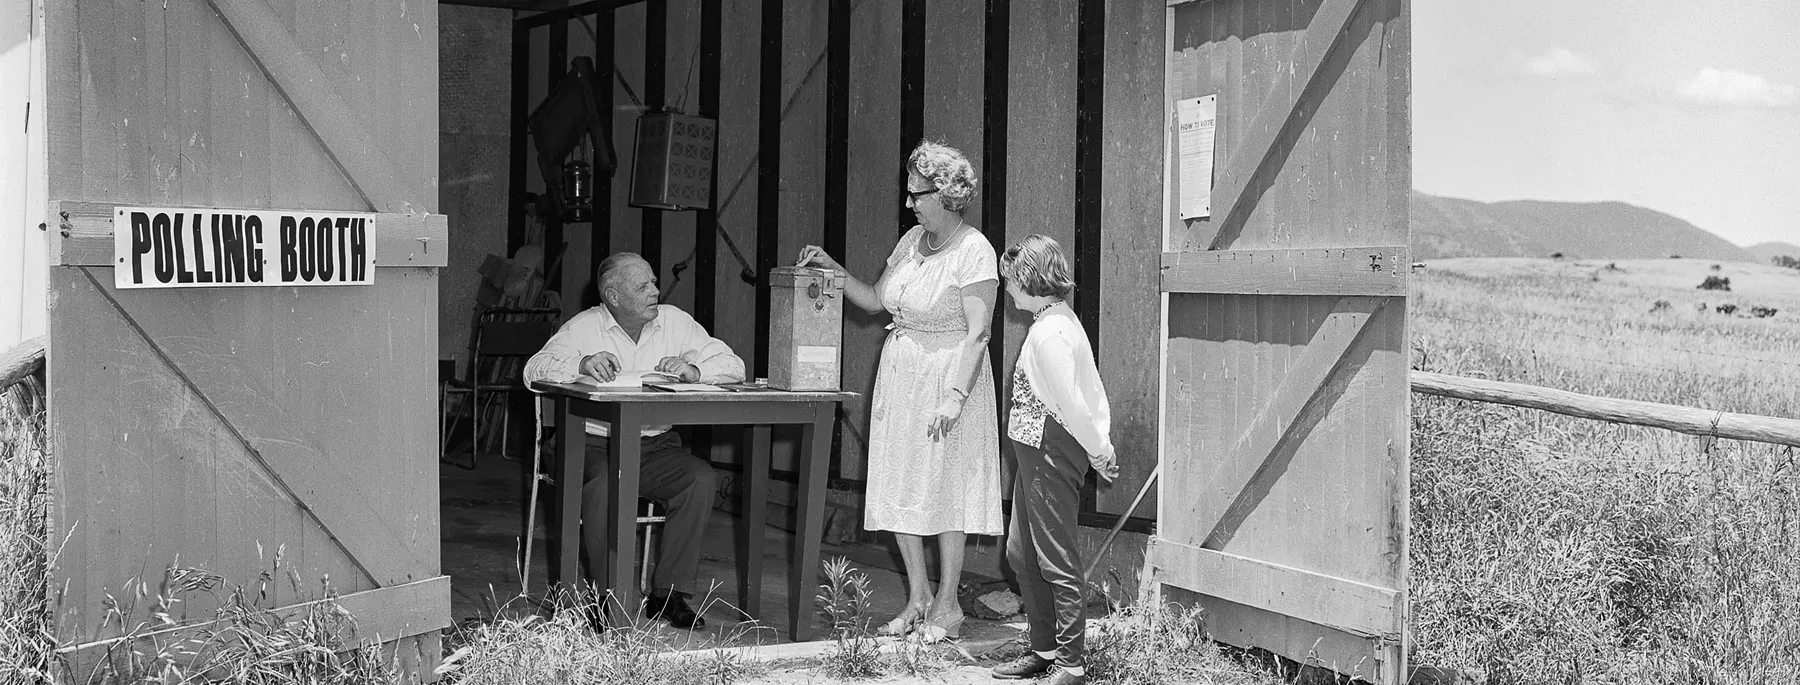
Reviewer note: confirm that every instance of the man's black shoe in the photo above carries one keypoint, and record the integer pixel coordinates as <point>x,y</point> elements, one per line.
<point>674,608</point>
<point>1028,665</point>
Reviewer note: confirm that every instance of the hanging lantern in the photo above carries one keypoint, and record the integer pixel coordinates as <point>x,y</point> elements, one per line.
<point>578,190</point>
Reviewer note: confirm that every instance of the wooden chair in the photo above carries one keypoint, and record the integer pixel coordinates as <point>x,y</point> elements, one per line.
<point>503,338</point>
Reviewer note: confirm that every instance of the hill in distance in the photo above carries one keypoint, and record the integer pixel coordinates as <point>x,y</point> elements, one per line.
<point>1767,251</point>
<point>1444,227</point>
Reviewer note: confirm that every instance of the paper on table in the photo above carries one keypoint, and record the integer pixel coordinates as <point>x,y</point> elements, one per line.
<point>632,379</point>
<point>685,387</point>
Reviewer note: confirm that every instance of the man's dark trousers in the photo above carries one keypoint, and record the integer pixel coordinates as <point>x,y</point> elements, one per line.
<point>669,474</point>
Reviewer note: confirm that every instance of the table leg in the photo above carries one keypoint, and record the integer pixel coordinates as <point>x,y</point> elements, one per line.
<point>626,452</point>
<point>571,444</point>
<point>753,518</point>
<point>815,451</point>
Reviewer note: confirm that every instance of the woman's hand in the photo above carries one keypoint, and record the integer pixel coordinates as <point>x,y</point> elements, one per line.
<point>813,255</point>
<point>942,419</point>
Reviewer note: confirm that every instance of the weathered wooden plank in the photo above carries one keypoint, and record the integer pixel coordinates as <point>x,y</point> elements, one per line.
<point>380,615</point>
<point>1040,139</point>
<point>955,45</point>
<point>1357,608</point>
<point>1259,454</point>
<point>191,335</point>
<point>156,438</point>
<point>392,441</point>
<point>873,168</point>
<point>1690,420</point>
<point>1325,179</point>
<point>1131,191</point>
<point>1396,143</point>
<point>363,159</point>
<point>629,26</point>
<point>21,360</point>
<point>802,166</point>
<point>84,236</point>
<point>682,89</point>
<point>1246,161</point>
<point>740,83</point>
<point>1374,271</point>
<point>60,42</point>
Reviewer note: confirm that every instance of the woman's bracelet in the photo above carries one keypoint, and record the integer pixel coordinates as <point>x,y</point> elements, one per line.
<point>961,393</point>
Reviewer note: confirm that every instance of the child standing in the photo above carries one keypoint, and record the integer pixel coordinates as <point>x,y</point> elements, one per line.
<point>1059,424</point>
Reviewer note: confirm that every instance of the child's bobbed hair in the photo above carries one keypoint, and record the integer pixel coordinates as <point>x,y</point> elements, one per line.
<point>1037,264</point>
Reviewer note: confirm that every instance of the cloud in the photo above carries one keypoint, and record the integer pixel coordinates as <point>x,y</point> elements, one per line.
<point>1560,62</point>
<point>1736,89</point>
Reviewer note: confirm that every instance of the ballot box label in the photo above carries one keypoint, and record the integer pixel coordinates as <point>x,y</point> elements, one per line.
<point>184,247</point>
<point>817,354</point>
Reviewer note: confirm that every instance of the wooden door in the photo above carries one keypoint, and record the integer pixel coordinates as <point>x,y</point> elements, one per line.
<point>1284,422</point>
<point>281,438</point>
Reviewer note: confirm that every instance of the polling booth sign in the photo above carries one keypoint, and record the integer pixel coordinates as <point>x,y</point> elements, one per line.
<point>189,247</point>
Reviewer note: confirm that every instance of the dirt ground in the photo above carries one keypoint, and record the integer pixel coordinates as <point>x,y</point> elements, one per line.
<point>483,515</point>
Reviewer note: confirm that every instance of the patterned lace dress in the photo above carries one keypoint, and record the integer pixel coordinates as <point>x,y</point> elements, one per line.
<point>917,485</point>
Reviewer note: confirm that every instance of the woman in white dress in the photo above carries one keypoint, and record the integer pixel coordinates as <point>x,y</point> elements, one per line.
<point>934,446</point>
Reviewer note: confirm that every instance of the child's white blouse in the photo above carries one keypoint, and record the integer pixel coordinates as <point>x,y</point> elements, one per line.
<point>1056,376</point>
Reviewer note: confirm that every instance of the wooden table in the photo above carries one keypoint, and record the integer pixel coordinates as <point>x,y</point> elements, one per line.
<point>628,411</point>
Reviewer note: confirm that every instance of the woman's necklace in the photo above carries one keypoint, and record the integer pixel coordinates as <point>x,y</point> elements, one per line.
<point>935,248</point>
<point>1039,314</point>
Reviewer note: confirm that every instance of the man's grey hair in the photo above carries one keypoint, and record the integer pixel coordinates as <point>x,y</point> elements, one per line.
<point>612,266</point>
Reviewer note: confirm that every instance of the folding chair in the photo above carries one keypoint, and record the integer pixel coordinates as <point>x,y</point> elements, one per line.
<point>649,515</point>
<point>502,340</point>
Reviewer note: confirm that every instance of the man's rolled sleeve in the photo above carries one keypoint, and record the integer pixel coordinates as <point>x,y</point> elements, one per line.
<point>560,360</point>
<point>716,361</point>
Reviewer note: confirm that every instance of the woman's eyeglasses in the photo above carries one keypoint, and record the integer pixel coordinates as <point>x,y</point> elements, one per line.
<point>916,194</point>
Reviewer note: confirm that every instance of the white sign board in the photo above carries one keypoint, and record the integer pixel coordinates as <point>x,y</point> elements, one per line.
<point>187,247</point>
<point>1197,119</point>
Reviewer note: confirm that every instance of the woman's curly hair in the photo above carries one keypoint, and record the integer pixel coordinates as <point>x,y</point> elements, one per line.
<point>947,169</point>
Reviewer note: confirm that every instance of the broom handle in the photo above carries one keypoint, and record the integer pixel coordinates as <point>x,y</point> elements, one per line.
<point>1089,571</point>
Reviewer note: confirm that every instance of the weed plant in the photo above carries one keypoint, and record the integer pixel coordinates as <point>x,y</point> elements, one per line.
<point>1149,644</point>
<point>565,647</point>
<point>844,601</point>
<point>246,640</point>
<point>1550,549</point>
<point>27,642</point>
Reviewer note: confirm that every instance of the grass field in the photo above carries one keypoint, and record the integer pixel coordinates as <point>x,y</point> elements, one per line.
<point>1549,549</point>
<point>1545,549</point>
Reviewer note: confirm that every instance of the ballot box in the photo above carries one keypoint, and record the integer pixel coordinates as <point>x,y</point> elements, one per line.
<point>806,327</point>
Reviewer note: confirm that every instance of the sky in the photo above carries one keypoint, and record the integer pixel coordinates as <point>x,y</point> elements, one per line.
<point>1688,107</point>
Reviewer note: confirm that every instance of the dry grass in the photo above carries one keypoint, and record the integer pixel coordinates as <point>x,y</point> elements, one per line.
<point>26,641</point>
<point>529,648</point>
<point>248,640</point>
<point>1554,549</point>
<point>1153,645</point>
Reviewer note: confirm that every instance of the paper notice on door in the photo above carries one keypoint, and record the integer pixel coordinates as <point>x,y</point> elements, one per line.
<point>1196,120</point>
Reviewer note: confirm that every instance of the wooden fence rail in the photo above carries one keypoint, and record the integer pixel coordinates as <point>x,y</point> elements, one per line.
<point>1666,416</point>
<point>22,360</point>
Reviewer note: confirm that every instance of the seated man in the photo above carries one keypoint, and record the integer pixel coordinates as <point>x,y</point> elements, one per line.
<point>631,332</point>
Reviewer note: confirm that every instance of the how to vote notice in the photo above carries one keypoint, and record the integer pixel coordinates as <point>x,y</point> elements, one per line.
<point>180,247</point>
